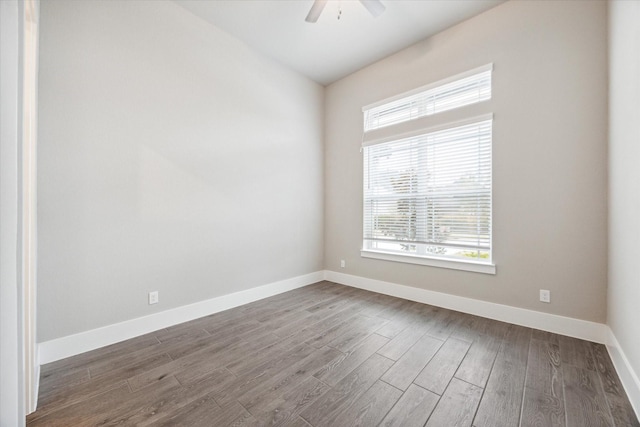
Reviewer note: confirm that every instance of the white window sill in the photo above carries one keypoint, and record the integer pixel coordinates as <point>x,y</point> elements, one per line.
<point>476,267</point>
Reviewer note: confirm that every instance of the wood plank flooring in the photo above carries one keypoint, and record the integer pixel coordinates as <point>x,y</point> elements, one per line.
<point>330,355</point>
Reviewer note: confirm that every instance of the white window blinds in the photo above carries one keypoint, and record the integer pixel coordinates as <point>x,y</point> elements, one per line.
<point>430,194</point>
<point>441,96</point>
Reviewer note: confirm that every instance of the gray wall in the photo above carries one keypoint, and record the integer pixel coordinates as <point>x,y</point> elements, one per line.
<point>549,154</point>
<point>171,158</point>
<point>12,375</point>
<point>624,177</point>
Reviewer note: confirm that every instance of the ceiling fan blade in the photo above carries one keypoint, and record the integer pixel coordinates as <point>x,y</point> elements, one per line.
<point>375,7</point>
<point>316,10</point>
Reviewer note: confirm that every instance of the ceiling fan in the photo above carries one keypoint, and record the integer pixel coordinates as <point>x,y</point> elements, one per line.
<point>375,8</point>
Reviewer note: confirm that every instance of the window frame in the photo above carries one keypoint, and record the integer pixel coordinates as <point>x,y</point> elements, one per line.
<point>444,120</point>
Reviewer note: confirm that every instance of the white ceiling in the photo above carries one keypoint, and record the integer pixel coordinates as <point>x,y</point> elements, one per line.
<point>331,49</point>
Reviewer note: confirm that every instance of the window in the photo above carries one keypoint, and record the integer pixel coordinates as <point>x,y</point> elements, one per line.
<point>427,194</point>
<point>430,100</point>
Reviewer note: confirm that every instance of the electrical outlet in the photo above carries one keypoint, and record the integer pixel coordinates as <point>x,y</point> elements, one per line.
<point>343,264</point>
<point>545,295</point>
<point>153,297</point>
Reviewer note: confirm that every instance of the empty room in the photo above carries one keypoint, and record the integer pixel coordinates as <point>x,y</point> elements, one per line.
<point>320,213</point>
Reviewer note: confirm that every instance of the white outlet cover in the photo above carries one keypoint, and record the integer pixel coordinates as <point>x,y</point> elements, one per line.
<point>153,297</point>
<point>545,295</point>
<point>342,263</point>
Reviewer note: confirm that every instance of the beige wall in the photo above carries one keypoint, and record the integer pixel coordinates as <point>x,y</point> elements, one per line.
<point>624,177</point>
<point>171,158</point>
<point>549,154</point>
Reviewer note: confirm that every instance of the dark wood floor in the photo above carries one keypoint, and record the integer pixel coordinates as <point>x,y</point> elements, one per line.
<point>330,355</point>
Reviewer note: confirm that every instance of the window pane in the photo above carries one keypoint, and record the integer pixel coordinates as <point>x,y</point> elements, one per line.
<point>431,194</point>
<point>465,91</point>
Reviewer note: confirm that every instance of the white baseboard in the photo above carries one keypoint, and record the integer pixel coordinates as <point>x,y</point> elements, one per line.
<point>60,348</point>
<point>628,376</point>
<point>36,387</point>
<point>71,345</point>
<point>591,331</point>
